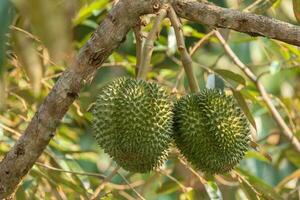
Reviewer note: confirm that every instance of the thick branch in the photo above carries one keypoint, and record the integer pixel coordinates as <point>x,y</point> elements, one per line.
<point>112,31</point>
<point>252,24</point>
<point>19,160</point>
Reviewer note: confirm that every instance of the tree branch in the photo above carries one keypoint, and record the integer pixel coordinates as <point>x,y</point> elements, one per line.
<point>252,24</point>
<point>276,115</point>
<point>112,31</point>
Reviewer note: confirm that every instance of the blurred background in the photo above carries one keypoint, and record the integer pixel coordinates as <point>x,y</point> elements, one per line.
<point>38,40</point>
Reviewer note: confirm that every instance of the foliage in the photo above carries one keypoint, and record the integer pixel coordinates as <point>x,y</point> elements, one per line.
<point>40,41</point>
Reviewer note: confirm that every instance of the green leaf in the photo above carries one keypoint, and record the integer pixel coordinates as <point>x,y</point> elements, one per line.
<point>260,7</point>
<point>6,15</point>
<point>249,191</point>
<point>213,190</point>
<point>87,11</point>
<point>266,191</point>
<point>256,155</point>
<point>231,75</point>
<point>296,8</point>
<point>168,187</point>
<point>293,157</point>
<point>157,58</point>
<point>242,102</point>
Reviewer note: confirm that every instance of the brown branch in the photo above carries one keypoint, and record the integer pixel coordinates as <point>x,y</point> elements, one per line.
<point>268,101</point>
<point>100,176</point>
<point>102,184</point>
<point>130,186</point>
<point>252,24</point>
<point>201,42</point>
<point>139,44</point>
<point>112,31</point>
<point>185,57</point>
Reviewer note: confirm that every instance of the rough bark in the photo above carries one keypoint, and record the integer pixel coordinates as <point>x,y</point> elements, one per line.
<point>112,31</point>
<point>252,24</point>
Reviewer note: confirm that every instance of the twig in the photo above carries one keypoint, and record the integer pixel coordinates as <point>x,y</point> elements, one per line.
<point>102,184</point>
<point>201,42</point>
<point>26,33</point>
<point>252,24</point>
<point>183,188</point>
<point>243,179</point>
<point>21,99</point>
<point>185,57</point>
<point>200,178</point>
<point>252,8</point>
<point>286,130</point>
<point>282,183</point>
<point>132,188</point>
<point>234,58</point>
<point>149,44</point>
<point>139,45</point>
<point>223,181</point>
<point>71,172</point>
<point>107,37</point>
<point>260,6</point>
<point>18,134</point>
<point>127,186</point>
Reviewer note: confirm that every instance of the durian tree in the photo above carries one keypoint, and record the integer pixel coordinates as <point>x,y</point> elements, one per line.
<point>149,99</point>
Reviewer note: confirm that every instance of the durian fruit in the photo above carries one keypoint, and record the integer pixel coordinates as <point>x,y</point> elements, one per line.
<point>211,130</point>
<point>133,123</point>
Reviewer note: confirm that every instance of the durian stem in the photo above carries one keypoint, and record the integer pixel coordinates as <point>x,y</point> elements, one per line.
<point>185,57</point>
<point>139,44</point>
<point>147,49</point>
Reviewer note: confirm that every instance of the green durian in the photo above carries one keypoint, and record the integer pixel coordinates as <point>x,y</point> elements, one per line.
<point>133,123</point>
<point>211,130</point>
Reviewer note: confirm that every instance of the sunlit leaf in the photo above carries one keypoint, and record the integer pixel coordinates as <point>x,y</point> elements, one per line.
<point>87,11</point>
<point>213,190</point>
<point>296,8</point>
<point>231,75</point>
<point>260,186</point>
<point>168,187</point>
<point>241,101</point>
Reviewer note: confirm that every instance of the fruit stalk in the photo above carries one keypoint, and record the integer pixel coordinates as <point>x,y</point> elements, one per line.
<point>147,50</point>
<point>185,57</point>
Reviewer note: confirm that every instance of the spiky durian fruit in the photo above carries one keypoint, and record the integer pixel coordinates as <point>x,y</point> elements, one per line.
<point>211,130</point>
<point>133,123</point>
